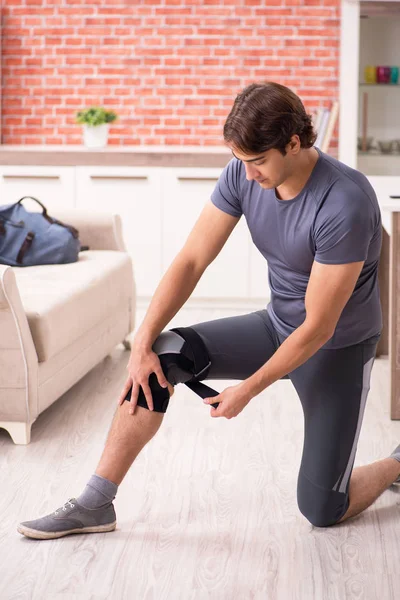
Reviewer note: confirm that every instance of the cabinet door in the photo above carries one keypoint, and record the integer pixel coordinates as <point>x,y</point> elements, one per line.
<point>184,193</point>
<point>53,186</point>
<point>384,188</point>
<point>134,194</point>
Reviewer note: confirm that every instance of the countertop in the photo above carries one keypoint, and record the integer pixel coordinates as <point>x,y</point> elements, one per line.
<point>389,204</point>
<point>122,156</point>
<point>153,156</point>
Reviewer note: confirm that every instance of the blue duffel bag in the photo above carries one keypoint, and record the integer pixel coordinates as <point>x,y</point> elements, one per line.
<point>35,238</point>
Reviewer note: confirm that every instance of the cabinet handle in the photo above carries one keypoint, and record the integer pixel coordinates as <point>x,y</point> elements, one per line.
<point>134,177</point>
<point>31,176</point>
<point>188,178</point>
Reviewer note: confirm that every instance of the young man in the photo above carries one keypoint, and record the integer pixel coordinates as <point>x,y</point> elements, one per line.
<point>317,223</point>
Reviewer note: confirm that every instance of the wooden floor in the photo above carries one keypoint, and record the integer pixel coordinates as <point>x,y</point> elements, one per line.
<point>207,511</point>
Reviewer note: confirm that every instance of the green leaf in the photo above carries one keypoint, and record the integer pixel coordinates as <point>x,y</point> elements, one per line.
<point>95,115</point>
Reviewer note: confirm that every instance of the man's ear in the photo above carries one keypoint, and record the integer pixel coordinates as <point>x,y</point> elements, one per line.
<point>294,144</point>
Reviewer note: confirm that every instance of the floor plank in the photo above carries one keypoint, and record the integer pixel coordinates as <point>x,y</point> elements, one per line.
<point>207,511</point>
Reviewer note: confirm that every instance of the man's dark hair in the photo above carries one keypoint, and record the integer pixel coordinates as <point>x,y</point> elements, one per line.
<point>266,115</point>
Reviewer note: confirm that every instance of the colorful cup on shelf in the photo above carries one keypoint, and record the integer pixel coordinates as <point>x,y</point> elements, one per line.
<point>370,74</point>
<point>394,75</point>
<point>383,74</point>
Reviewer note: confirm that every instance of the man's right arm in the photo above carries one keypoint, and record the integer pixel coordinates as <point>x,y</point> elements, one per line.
<point>206,240</point>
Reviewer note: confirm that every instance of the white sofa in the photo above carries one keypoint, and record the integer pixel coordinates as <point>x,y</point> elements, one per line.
<point>58,321</point>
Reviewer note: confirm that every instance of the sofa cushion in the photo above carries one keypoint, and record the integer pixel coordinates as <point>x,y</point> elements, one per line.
<point>63,302</point>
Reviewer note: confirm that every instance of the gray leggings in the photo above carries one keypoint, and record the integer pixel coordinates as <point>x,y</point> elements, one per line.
<point>332,386</point>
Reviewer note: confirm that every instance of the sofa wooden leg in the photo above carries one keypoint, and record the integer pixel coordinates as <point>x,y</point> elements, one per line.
<point>127,345</point>
<point>20,432</point>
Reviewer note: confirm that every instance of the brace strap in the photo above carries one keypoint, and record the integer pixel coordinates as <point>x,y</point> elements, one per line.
<point>201,361</point>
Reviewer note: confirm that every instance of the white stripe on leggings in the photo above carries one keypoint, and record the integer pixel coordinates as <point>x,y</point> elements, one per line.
<point>366,385</point>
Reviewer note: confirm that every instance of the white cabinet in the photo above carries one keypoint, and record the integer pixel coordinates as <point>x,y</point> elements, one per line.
<point>384,188</point>
<point>54,186</point>
<point>184,194</point>
<point>135,194</point>
<point>158,207</point>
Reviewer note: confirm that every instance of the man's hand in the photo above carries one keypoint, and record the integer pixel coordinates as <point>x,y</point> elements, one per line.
<point>142,363</point>
<point>231,401</point>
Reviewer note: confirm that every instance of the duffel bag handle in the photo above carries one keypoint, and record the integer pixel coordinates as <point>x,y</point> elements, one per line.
<point>36,200</point>
<point>51,220</point>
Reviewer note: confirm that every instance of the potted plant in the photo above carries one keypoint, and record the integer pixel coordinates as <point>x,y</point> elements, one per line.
<point>96,122</point>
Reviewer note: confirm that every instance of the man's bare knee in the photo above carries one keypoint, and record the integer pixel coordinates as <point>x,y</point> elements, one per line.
<point>140,411</point>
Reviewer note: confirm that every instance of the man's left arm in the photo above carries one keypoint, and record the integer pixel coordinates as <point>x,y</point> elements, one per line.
<point>328,291</point>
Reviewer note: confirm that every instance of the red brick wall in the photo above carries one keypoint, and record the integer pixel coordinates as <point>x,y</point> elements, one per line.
<point>170,68</point>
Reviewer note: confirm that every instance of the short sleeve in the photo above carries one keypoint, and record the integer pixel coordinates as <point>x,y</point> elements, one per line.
<point>344,228</point>
<point>226,195</point>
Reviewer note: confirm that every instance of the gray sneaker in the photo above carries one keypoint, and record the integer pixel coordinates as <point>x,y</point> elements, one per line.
<point>72,517</point>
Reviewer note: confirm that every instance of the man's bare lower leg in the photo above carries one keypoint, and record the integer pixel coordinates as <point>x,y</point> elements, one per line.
<point>368,482</point>
<point>128,435</point>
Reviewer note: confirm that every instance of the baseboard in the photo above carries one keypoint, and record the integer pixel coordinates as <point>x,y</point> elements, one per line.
<point>142,302</point>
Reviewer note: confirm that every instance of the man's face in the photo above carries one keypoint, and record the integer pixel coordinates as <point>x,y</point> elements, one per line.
<point>270,169</point>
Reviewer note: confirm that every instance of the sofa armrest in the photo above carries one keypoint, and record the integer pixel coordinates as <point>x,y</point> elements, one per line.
<point>99,231</point>
<point>18,356</point>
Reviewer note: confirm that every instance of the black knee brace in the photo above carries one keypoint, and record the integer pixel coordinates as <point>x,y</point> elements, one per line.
<point>184,359</point>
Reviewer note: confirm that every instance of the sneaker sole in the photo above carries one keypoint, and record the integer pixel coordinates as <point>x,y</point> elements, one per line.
<point>51,535</point>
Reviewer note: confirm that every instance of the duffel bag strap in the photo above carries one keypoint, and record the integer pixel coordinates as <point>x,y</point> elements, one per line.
<point>27,243</point>
<point>70,228</point>
<point>51,220</point>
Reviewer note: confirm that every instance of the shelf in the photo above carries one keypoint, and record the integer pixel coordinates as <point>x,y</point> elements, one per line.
<point>378,154</point>
<point>379,85</point>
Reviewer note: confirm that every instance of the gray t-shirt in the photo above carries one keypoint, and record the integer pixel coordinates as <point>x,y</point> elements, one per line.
<point>334,220</point>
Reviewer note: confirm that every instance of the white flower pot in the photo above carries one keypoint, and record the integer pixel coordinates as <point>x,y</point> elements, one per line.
<point>95,137</point>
